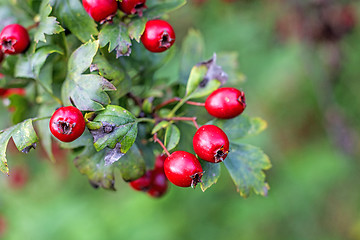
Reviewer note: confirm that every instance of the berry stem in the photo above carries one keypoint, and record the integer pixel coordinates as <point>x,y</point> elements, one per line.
<point>156,139</point>
<point>35,25</point>
<point>177,99</point>
<point>192,119</point>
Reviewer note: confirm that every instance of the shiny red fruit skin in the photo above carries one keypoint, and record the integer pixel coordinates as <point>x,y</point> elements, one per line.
<point>132,6</point>
<point>7,92</point>
<point>159,184</point>
<point>143,183</point>
<point>225,103</point>
<point>158,36</point>
<point>67,124</point>
<point>14,39</point>
<point>100,10</point>
<point>183,169</point>
<point>211,143</point>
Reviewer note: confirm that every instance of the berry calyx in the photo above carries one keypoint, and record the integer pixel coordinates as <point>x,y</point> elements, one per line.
<point>14,39</point>
<point>159,183</point>
<point>183,169</point>
<point>211,143</point>
<point>67,124</point>
<point>143,183</point>
<point>225,103</point>
<point>133,6</point>
<point>158,36</point>
<point>101,10</point>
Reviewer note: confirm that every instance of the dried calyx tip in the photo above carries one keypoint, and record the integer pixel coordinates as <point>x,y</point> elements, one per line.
<point>196,178</point>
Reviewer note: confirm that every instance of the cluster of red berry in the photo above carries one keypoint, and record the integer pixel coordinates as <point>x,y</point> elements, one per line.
<point>210,143</point>
<point>181,168</point>
<point>158,35</point>
<point>154,182</point>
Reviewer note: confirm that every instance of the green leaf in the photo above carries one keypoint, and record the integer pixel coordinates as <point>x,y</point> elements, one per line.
<point>24,137</point>
<point>211,174</point>
<point>114,125</point>
<point>136,28</point>
<point>245,164</point>
<point>91,163</point>
<point>192,52</point>
<point>76,19</point>
<point>172,137</point>
<point>29,66</point>
<point>132,165</point>
<point>85,91</point>
<point>159,126</point>
<point>43,127</point>
<point>48,25</point>
<point>240,127</point>
<point>163,7</point>
<point>116,35</point>
<point>204,78</point>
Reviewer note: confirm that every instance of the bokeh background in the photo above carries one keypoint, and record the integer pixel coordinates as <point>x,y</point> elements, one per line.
<point>301,60</point>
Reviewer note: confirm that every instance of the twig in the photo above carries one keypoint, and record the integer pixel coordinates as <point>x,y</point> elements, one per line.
<point>156,139</point>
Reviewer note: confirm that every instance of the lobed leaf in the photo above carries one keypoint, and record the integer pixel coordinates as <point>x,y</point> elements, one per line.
<point>85,91</point>
<point>116,35</point>
<point>211,174</point>
<point>137,28</point>
<point>115,127</point>
<point>29,66</point>
<point>24,137</point>
<point>240,127</point>
<point>132,165</point>
<point>47,25</point>
<point>246,164</point>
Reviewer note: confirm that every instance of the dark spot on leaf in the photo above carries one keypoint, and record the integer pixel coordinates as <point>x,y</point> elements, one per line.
<point>94,67</point>
<point>204,82</point>
<point>27,149</point>
<point>214,71</point>
<point>108,128</point>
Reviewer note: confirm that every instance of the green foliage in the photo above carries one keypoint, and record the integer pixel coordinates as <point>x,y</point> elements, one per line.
<point>121,88</point>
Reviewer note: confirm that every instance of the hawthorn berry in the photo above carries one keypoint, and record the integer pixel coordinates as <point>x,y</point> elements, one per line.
<point>159,183</point>
<point>158,36</point>
<point>14,39</point>
<point>100,10</point>
<point>133,6</point>
<point>1,56</point>
<point>183,169</point>
<point>211,143</point>
<point>67,124</point>
<point>159,162</point>
<point>143,183</point>
<point>225,103</point>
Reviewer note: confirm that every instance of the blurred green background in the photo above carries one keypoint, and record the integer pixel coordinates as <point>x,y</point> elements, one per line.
<point>312,141</point>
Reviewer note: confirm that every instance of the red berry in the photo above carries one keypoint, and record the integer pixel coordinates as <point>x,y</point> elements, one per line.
<point>14,39</point>
<point>133,6</point>
<point>67,124</point>
<point>159,162</point>
<point>5,93</point>
<point>211,143</point>
<point>143,183</point>
<point>159,183</point>
<point>100,10</point>
<point>1,56</point>
<point>158,36</point>
<point>183,169</point>
<point>225,103</point>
